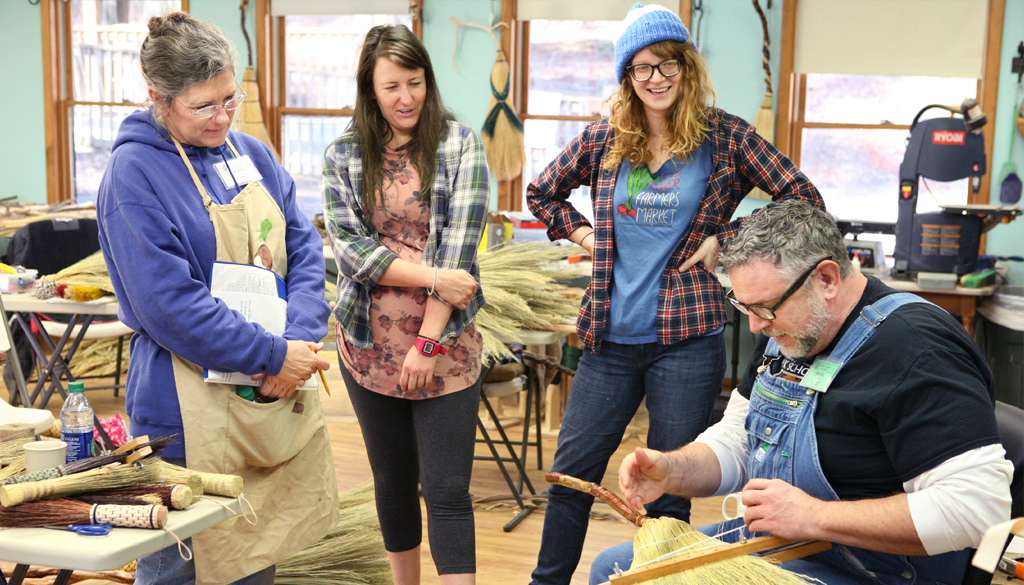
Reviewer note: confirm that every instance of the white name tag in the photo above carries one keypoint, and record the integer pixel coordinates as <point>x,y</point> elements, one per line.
<point>241,169</point>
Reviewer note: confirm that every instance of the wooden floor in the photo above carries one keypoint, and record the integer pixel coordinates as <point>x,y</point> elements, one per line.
<point>503,558</point>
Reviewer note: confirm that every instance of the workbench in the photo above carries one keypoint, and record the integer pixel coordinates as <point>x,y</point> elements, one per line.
<point>961,300</point>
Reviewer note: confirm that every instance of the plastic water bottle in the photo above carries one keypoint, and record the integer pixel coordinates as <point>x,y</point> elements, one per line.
<point>76,423</point>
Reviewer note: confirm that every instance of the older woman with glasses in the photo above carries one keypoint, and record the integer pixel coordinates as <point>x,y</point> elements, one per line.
<point>180,193</point>
<point>666,172</point>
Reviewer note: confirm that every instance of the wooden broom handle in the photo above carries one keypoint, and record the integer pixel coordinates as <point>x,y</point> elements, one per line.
<point>598,490</point>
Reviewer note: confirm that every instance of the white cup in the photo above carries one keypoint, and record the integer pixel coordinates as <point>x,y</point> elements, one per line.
<point>40,455</point>
<point>740,508</point>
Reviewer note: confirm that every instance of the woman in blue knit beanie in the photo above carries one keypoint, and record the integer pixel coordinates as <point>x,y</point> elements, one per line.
<point>666,171</point>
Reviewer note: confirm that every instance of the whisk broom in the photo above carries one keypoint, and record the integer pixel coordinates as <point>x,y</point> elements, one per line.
<point>174,496</point>
<point>112,476</point>
<point>502,132</point>
<point>137,446</point>
<point>217,484</point>
<point>67,511</point>
<point>710,560</point>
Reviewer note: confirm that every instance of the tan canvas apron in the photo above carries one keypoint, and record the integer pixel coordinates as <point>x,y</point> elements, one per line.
<point>281,449</point>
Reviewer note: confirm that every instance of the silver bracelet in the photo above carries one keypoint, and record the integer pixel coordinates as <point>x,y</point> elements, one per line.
<point>430,292</point>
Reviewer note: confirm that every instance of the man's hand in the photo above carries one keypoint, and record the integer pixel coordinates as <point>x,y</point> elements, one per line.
<point>706,253</point>
<point>781,509</point>
<point>642,476</point>
<point>455,286</point>
<point>417,370</point>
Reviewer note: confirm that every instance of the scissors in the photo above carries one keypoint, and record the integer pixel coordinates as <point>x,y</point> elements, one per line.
<point>85,529</point>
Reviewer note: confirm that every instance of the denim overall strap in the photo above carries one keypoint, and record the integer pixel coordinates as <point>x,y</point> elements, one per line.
<point>783,445</point>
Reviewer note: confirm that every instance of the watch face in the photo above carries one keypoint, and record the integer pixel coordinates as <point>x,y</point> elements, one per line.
<point>428,347</point>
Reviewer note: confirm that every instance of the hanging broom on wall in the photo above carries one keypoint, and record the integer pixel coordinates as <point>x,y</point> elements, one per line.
<point>250,116</point>
<point>764,120</point>
<point>502,132</point>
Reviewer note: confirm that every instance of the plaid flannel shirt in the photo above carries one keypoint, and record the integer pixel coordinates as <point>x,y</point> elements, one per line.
<point>458,212</point>
<point>690,303</point>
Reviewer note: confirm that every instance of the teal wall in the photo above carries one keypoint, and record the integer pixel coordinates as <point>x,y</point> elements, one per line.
<point>22,119</point>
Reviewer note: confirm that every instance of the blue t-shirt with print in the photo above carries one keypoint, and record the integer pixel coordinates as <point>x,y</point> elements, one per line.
<point>653,213</point>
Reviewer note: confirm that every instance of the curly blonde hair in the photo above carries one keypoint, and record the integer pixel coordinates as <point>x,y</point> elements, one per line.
<point>688,118</point>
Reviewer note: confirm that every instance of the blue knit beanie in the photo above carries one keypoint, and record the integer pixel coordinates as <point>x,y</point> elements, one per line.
<point>646,25</point>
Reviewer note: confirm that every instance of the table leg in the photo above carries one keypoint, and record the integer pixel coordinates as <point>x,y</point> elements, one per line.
<point>64,361</point>
<point>18,575</point>
<point>63,577</point>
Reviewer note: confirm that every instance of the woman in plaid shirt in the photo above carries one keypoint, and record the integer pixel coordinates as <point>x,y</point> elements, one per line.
<point>666,172</point>
<point>405,199</point>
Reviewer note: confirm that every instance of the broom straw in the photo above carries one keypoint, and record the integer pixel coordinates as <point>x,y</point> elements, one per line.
<point>659,538</point>
<point>113,476</point>
<point>502,132</point>
<point>88,463</point>
<point>217,484</point>
<point>175,496</point>
<point>67,511</point>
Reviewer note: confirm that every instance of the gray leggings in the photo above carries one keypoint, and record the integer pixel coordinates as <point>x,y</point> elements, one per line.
<point>428,442</point>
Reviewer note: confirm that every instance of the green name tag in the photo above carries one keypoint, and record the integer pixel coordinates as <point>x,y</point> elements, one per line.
<point>821,374</point>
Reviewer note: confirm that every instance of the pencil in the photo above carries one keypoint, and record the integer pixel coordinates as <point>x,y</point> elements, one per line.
<point>323,379</point>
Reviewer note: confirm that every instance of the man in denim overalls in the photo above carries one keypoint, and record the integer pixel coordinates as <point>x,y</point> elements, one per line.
<point>866,419</point>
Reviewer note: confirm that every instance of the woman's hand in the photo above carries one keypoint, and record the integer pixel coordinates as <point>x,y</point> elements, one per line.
<point>455,286</point>
<point>417,371</point>
<point>275,387</point>
<point>301,362</point>
<point>706,253</point>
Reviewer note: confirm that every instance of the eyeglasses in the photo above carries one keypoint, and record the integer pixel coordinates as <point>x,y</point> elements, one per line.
<point>768,313</point>
<point>209,111</point>
<point>643,71</point>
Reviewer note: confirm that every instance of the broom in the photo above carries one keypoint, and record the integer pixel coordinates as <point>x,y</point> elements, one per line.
<point>764,120</point>
<point>502,132</point>
<point>64,512</point>
<point>175,496</point>
<point>250,116</point>
<point>112,476</point>
<point>138,445</point>
<point>217,484</point>
<point>661,538</point>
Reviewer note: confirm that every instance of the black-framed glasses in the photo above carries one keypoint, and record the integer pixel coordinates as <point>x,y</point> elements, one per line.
<point>667,68</point>
<point>209,111</point>
<point>768,313</point>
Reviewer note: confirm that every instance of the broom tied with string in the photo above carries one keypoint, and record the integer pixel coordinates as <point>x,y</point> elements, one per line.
<point>64,512</point>
<point>137,448</point>
<point>217,484</point>
<point>764,120</point>
<point>174,496</point>
<point>112,476</point>
<point>703,560</point>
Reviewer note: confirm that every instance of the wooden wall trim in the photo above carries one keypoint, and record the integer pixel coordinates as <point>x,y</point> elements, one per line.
<point>58,181</point>
<point>264,77</point>
<point>784,119</point>
<point>990,90</point>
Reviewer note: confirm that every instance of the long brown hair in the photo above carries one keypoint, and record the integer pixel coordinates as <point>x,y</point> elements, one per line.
<point>688,124</point>
<point>372,131</point>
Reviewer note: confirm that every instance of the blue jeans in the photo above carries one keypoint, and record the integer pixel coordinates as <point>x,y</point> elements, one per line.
<point>167,567</point>
<point>680,381</point>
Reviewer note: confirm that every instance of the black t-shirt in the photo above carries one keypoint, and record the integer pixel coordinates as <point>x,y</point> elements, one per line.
<point>917,393</point>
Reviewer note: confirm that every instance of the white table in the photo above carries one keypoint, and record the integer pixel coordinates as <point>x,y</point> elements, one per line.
<point>26,309</point>
<point>69,551</point>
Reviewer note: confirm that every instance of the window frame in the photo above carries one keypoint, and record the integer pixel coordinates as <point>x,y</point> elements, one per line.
<point>515,41</point>
<point>271,72</point>
<point>59,98</point>
<point>790,121</point>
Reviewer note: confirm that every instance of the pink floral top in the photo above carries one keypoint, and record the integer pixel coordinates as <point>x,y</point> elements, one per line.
<point>397,313</point>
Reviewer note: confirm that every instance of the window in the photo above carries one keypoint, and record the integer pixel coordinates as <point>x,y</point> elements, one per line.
<point>93,49</point>
<point>316,87</point>
<point>569,65</point>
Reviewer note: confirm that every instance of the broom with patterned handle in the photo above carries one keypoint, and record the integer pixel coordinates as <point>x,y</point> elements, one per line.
<point>65,512</point>
<point>659,543</point>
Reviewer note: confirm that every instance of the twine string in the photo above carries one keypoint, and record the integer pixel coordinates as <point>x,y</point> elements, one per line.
<point>181,545</point>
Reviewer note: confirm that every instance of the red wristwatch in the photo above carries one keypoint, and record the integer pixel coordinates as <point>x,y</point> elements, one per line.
<point>429,347</point>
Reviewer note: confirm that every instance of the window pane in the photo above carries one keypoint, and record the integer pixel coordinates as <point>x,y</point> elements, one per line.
<point>105,40</point>
<point>305,140</point>
<point>857,173</point>
<point>864,99</point>
<point>322,54</point>
<point>93,131</point>
<point>545,139</point>
<point>572,66</point>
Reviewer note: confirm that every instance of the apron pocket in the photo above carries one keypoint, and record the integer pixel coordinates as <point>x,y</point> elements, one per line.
<point>270,434</point>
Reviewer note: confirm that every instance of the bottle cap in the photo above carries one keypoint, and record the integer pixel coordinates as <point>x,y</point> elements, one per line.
<point>76,387</point>
<point>247,393</point>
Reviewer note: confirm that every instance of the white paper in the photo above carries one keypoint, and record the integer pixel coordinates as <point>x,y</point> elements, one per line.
<point>991,548</point>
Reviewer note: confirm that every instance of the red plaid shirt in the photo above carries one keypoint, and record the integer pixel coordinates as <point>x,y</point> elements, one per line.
<point>690,303</point>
